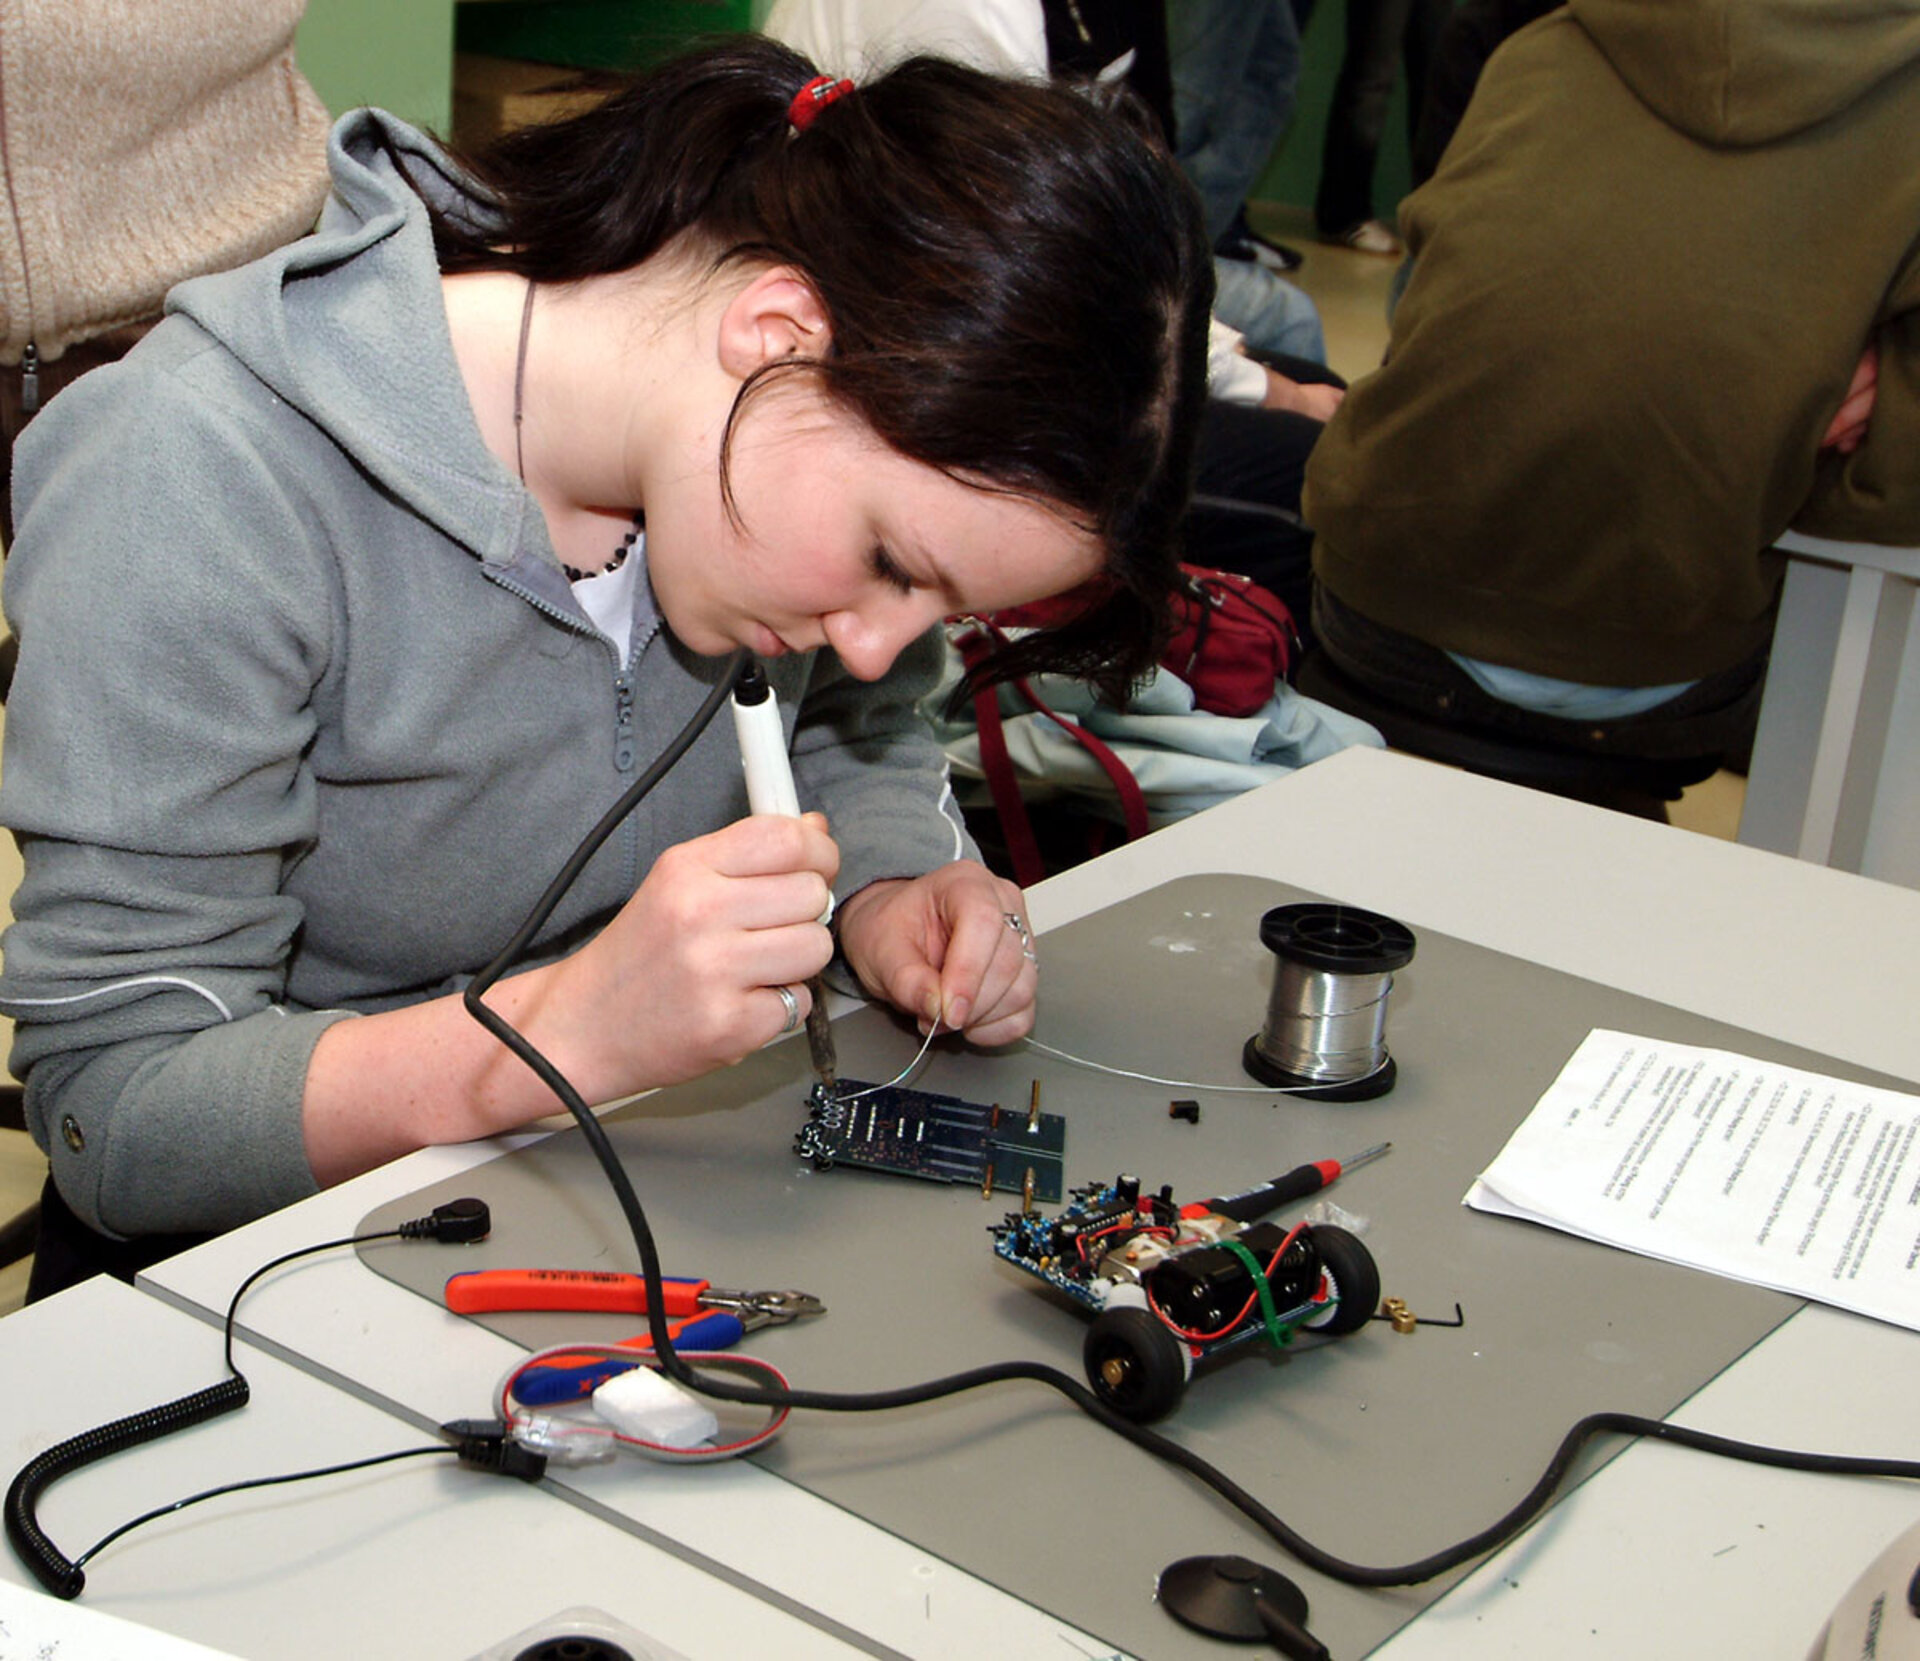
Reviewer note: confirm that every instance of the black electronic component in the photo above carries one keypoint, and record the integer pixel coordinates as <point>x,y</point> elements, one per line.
<point>488,1445</point>
<point>1068,1251</point>
<point>917,1133</point>
<point>1103,1217</point>
<point>1206,1288</point>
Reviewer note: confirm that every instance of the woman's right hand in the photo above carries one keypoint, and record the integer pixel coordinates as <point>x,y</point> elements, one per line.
<point>682,980</point>
<point>679,983</point>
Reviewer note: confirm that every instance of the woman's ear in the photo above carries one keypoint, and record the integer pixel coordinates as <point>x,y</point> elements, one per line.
<point>777,315</point>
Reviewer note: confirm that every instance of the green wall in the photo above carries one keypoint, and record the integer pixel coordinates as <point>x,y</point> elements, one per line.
<point>399,53</point>
<point>394,53</point>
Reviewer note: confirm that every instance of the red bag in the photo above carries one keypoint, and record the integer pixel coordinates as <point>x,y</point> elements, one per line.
<point>1232,639</point>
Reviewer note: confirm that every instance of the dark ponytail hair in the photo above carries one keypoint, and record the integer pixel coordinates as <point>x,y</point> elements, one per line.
<point>1015,275</point>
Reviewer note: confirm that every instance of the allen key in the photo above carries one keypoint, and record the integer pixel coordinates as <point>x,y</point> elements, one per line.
<point>1403,1318</point>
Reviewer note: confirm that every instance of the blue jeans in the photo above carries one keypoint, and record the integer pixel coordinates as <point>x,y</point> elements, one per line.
<point>1236,64</point>
<point>1266,308</point>
<point>1712,718</point>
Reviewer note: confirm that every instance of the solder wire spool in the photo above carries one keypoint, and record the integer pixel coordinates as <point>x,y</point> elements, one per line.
<point>1326,1032</point>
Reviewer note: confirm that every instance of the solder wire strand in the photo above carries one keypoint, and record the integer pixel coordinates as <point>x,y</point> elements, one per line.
<point>1072,1060</point>
<point>1141,1436</point>
<point>900,1077</point>
<point>1326,1027</point>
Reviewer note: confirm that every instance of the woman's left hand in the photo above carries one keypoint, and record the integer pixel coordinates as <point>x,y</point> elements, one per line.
<point>946,945</point>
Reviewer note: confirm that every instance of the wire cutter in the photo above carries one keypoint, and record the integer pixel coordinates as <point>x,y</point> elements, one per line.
<point>701,1316</point>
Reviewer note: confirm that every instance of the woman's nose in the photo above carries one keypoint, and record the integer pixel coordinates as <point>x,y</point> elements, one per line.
<point>867,641</point>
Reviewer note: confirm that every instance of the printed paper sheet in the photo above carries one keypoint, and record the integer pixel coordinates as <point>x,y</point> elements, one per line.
<point>1785,1178</point>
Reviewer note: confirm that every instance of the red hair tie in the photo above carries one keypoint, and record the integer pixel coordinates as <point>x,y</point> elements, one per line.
<point>814,97</point>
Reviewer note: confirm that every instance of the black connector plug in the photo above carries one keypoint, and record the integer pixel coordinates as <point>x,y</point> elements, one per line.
<point>488,1445</point>
<point>456,1223</point>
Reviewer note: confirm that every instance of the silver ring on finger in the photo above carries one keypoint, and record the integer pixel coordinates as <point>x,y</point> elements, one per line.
<point>792,1006</point>
<point>1019,926</point>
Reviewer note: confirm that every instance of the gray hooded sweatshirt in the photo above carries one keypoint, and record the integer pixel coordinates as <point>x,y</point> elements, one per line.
<point>307,717</point>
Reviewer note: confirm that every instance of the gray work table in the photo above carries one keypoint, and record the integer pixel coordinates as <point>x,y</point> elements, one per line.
<point>1661,1553</point>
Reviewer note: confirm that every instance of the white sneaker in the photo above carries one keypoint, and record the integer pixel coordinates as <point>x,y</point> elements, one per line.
<point>1370,236</point>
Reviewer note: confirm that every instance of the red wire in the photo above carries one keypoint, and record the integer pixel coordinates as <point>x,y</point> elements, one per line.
<point>1155,1229</point>
<point>1273,1263</point>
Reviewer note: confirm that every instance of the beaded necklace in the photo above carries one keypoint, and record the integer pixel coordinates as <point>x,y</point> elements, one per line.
<point>519,455</point>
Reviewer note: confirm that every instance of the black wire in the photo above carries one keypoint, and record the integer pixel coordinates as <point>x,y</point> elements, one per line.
<point>1161,1447</point>
<point>266,1269</point>
<point>260,1482</point>
<point>609,822</point>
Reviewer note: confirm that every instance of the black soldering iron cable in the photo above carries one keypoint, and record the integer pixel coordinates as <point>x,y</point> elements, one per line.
<point>1161,1447</point>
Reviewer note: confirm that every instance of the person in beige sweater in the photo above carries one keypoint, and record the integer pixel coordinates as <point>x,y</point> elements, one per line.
<point>139,146</point>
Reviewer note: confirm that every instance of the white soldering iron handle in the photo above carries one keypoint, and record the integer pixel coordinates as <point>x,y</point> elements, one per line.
<point>763,751</point>
<point>763,746</point>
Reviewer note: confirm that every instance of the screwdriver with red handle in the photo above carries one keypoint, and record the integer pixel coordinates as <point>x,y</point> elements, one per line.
<point>1296,1184</point>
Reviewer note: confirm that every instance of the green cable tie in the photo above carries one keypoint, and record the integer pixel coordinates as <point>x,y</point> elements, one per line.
<point>1269,1316</point>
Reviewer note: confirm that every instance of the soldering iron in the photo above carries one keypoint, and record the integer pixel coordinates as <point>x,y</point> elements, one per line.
<point>770,789</point>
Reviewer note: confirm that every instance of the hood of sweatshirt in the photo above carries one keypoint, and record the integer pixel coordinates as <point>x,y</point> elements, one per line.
<point>1742,72</point>
<point>336,351</point>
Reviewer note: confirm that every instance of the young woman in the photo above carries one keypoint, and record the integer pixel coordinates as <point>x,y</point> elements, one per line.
<point>353,598</point>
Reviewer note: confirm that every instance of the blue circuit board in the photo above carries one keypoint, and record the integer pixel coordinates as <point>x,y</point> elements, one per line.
<point>1048,1247</point>
<point>939,1138</point>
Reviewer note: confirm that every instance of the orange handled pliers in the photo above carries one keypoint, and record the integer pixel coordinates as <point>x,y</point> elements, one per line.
<point>585,1291</point>
<point>701,1317</point>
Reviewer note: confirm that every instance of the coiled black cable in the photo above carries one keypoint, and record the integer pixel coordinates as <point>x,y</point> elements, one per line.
<point>59,1574</point>
<point>457,1221</point>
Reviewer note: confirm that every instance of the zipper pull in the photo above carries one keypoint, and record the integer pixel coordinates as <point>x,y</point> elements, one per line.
<point>30,379</point>
<point>623,730</point>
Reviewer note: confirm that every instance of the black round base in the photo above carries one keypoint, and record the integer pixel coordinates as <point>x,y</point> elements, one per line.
<point>1221,1597</point>
<point>1362,1089</point>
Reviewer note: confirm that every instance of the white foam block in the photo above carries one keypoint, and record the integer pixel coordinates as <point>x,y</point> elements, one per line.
<point>643,1404</point>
